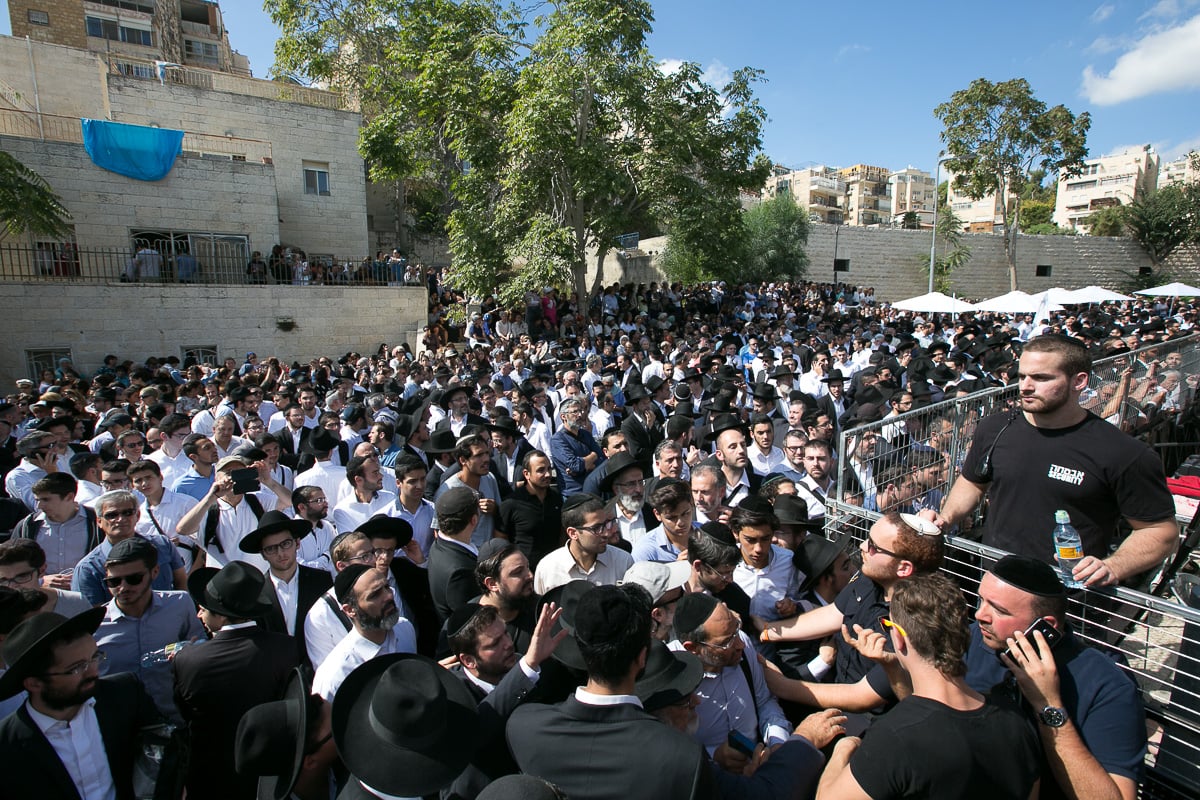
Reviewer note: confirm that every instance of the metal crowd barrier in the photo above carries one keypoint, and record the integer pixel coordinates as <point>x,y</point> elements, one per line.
<point>1157,639</point>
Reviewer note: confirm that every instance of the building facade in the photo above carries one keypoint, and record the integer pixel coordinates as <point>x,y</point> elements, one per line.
<point>912,190</point>
<point>819,189</point>
<point>868,195</point>
<point>1112,180</point>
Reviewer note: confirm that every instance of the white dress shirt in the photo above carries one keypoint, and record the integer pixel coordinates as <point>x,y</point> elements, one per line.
<point>288,593</point>
<point>350,513</point>
<point>80,748</point>
<point>354,650</point>
<point>559,567</point>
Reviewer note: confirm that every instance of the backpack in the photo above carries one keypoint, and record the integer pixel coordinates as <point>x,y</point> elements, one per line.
<point>29,528</point>
<point>213,520</point>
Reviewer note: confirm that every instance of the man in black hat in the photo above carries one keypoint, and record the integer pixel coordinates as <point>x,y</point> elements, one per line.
<point>291,589</point>
<point>76,734</point>
<point>509,448</point>
<point>602,730</point>
<point>641,426</point>
<point>317,465</point>
<point>456,405</point>
<point>624,479</point>
<point>728,435</point>
<point>243,665</point>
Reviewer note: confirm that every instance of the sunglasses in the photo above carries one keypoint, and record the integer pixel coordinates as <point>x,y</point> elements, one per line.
<point>887,623</point>
<point>112,516</point>
<point>133,580</point>
<point>873,548</point>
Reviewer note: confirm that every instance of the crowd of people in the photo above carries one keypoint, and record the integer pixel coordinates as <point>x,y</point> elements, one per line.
<point>580,552</point>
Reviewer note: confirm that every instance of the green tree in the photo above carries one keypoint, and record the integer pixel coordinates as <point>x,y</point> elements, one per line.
<point>551,138</point>
<point>997,134</point>
<point>911,221</point>
<point>1164,220</point>
<point>27,203</point>
<point>777,233</point>
<point>1109,221</point>
<point>1036,212</point>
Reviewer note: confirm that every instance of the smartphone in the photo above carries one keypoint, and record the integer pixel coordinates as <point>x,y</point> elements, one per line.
<point>1052,634</point>
<point>741,743</point>
<point>245,480</point>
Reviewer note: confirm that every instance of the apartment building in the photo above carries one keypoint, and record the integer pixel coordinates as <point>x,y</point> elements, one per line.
<point>818,188</point>
<point>1180,171</point>
<point>912,190</point>
<point>985,215</point>
<point>868,195</point>
<point>1112,180</point>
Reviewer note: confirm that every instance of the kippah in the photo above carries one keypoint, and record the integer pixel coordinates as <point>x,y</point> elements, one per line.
<point>756,504</point>
<point>669,482</point>
<point>774,477</point>
<point>491,547</point>
<point>1028,575</point>
<point>693,610</point>
<point>578,500</point>
<point>345,580</point>
<point>719,531</point>
<point>460,617</point>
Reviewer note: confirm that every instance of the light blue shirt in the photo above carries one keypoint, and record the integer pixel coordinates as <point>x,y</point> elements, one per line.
<point>655,546</point>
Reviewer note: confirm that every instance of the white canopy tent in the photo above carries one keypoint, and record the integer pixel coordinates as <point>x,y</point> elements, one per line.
<point>1097,294</point>
<point>1171,290</point>
<point>934,303</point>
<point>1015,302</point>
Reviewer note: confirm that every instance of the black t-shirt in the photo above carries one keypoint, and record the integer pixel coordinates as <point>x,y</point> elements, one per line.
<point>861,603</point>
<point>1091,470</point>
<point>922,748</point>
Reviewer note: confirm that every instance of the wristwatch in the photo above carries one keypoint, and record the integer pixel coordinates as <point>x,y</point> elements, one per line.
<point>1053,717</point>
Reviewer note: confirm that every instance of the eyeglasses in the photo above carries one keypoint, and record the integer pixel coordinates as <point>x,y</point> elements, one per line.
<point>75,670</point>
<point>279,547</point>
<point>133,580</point>
<point>20,579</point>
<point>632,484</point>
<point>887,623</point>
<point>112,516</point>
<point>599,527</point>
<point>726,575</point>
<point>873,548</point>
<point>316,501</point>
<point>730,642</point>
<point>120,483</point>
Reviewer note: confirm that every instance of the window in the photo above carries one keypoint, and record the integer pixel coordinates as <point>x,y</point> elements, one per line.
<point>841,265</point>
<point>316,178</point>
<point>38,17</point>
<point>44,358</point>
<point>202,353</point>
<point>114,31</point>
<point>204,52</point>
<point>142,71</point>
<point>1043,270</point>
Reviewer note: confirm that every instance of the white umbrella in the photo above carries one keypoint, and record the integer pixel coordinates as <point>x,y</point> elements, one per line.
<point>1171,290</point>
<point>934,303</point>
<point>1056,296</point>
<point>1097,294</point>
<point>1015,302</point>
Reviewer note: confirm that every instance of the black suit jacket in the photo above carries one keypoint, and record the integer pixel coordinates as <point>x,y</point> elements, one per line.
<point>492,759</point>
<point>433,478</point>
<point>640,440</point>
<point>289,455</point>
<point>443,424</point>
<point>30,767</point>
<point>214,686</point>
<point>312,583</point>
<point>602,752</point>
<point>506,488</point>
<point>451,577</point>
<point>413,582</point>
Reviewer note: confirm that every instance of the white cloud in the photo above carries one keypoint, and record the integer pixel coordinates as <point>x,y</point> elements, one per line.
<point>1106,44</point>
<point>670,66</point>
<point>1170,151</point>
<point>715,74</point>
<point>851,49</point>
<point>1160,62</point>
<point>1103,12</point>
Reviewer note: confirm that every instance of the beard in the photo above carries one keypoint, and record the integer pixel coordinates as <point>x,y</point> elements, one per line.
<point>381,623</point>
<point>61,701</point>
<point>629,503</point>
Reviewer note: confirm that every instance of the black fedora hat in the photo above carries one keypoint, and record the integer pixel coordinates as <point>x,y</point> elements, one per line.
<point>722,423</point>
<point>320,441</point>
<point>567,597</point>
<point>635,392</point>
<point>236,591</point>
<point>783,370</point>
<point>721,404</point>
<point>654,383</point>
<point>618,464</point>
<point>791,509</point>
<point>670,676</point>
<point>505,425</point>
<point>270,740</point>
<point>197,582</point>
<point>727,372</point>
<point>441,441</point>
<point>834,376</point>
<point>274,522</point>
<point>815,555</point>
<point>405,726</point>
<point>29,641</point>
<point>764,391</point>
<point>384,527</point>
<point>444,400</point>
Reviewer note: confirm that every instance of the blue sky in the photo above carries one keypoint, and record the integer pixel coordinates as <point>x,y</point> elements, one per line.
<point>857,82</point>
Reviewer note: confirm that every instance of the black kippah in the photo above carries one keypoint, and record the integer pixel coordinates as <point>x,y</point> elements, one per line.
<point>578,500</point>
<point>459,618</point>
<point>345,580</point>
<point>1028,575</point>
<point>755,504</point>
<point>603,614</point>
<point>693,610</point>
<point>719,531</point>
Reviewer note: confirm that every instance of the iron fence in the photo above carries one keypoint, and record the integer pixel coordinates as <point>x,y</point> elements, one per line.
<point>1157,639</point>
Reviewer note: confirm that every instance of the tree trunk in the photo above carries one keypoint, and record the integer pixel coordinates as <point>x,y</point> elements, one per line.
<point>1010,243</point>
<point>598,281</point>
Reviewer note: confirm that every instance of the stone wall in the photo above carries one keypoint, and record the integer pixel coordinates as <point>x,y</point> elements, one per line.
<point>893,262</point>
<point>137,321</point>
<point>225,197</point>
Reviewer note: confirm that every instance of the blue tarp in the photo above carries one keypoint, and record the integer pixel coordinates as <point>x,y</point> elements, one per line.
<point>136,151</point>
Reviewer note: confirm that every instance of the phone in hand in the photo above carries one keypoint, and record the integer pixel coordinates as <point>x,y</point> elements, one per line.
<point>741,743</point>
<point>1052,635</point>
<point>245,480</point>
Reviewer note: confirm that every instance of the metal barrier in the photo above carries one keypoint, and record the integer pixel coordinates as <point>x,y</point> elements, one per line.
<point>921,451</point>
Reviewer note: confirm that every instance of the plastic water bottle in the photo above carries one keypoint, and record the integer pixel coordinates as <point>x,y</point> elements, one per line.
<point>163,654</point>
<point>1068,548</point>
